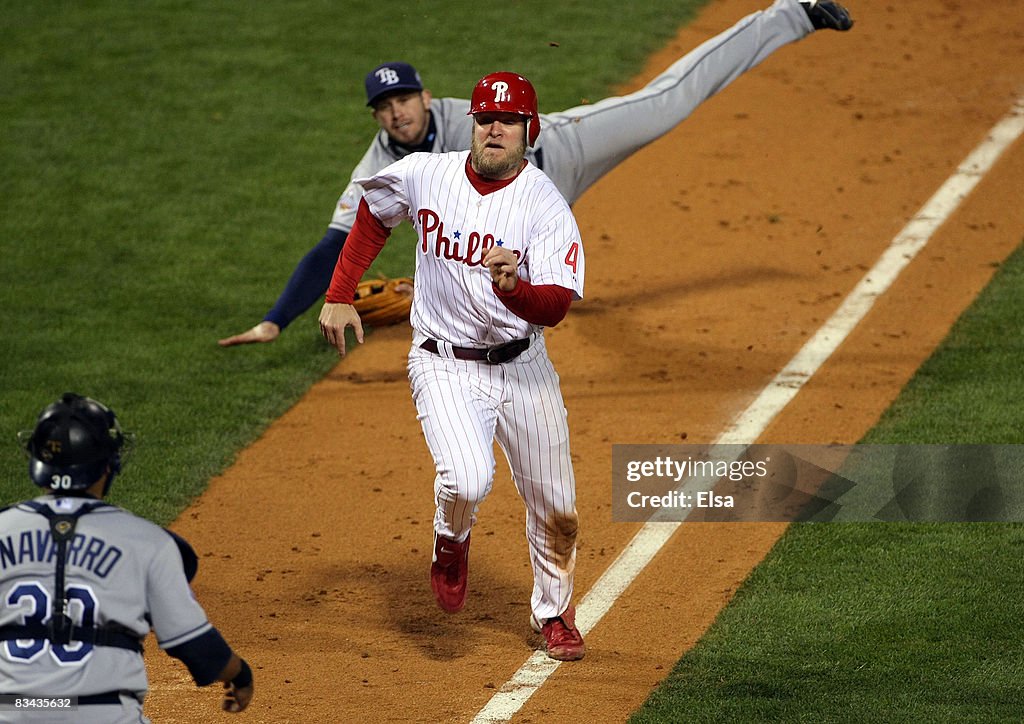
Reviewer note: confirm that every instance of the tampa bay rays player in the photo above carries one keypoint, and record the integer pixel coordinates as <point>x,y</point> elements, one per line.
<point>580,145</point>
<point>498,258</point>
<point>82,583</point>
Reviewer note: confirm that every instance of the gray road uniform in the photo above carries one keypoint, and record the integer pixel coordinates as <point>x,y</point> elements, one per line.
<point>124,576</point>
<point>580,145</point>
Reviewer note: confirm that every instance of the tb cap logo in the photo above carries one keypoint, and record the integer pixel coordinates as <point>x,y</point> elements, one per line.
<point>387,76</point>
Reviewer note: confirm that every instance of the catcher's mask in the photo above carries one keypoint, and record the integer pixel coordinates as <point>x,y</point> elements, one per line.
<point>507,92</point>
<point>76,441</point>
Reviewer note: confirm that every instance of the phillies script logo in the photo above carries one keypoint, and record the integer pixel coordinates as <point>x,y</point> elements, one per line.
<point>469,251</point>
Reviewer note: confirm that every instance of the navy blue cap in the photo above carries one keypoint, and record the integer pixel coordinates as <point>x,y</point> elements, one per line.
<point>391,77</point>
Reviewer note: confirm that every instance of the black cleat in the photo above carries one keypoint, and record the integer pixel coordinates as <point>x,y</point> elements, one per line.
<point>827,14</point>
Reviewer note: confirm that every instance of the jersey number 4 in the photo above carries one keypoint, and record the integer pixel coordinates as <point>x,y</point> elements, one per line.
<point>32,596</point>
<point>572,257</point>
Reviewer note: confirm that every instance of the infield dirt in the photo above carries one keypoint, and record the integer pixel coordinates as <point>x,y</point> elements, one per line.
<point>712,255</point>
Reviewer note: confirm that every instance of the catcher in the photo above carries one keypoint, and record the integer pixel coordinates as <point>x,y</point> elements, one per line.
<point>83,582</point>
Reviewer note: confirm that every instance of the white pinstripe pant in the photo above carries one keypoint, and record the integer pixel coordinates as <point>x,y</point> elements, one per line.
<point>463,407</point>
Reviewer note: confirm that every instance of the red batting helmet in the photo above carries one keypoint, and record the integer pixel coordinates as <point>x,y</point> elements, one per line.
<point>507,93</point>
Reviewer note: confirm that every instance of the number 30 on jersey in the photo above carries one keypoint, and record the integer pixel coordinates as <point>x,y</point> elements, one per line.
<point>32,596</point>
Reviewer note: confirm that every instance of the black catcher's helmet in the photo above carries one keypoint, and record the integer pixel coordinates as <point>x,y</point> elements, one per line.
<point>74,442</point>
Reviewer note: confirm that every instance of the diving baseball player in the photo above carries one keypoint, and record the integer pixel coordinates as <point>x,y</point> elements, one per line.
<point>498,258</point>
<point>82,582</point>
<point>580,145</point>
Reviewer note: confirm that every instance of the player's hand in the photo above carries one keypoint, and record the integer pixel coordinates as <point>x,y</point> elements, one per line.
<point>236,698</point>
<point>238,683</point>
<point>262,332</point>
<point>502,264</point>
<point>334,318</point>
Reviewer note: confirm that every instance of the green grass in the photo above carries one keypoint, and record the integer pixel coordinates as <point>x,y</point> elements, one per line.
<point>165,164</point>
<point>882,622</point>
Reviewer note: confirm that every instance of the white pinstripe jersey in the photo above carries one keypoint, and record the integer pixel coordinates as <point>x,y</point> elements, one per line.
<point>456,225</point>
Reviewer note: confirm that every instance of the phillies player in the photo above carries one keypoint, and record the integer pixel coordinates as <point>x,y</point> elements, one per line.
<point>580,144</point>
<point>498,258</point>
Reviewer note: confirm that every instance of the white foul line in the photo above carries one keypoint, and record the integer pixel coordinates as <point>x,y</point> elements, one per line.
<point>753,421</point>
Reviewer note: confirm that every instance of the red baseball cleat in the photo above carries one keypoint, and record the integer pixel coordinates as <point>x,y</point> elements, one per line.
<point>449,573</point>
<point>565,642</point>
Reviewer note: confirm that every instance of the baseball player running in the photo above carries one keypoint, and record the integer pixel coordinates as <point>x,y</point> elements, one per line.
<point>580,145</point>
<point>498,258</point>
<point>82,583</point>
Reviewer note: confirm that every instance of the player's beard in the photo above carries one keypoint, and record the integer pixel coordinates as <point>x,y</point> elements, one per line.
<point>496,166</point>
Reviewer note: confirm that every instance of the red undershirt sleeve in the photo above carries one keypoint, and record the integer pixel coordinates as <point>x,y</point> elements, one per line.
<point>362,246</point>
<point>542,304</point>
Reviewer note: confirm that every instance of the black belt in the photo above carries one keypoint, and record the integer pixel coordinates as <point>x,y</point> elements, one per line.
<point>491,355</point>
<point>107,697</point>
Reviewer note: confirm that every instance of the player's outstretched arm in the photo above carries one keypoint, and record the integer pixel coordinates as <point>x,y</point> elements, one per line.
<point>306,285</point>
<point>334,319</point>
<point>262,332</point>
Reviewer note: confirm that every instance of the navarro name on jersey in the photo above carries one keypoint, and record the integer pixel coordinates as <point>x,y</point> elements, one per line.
<point>36,546</point>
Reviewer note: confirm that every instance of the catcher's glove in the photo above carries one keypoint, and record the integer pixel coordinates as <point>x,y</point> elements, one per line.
<point>383,301</point>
